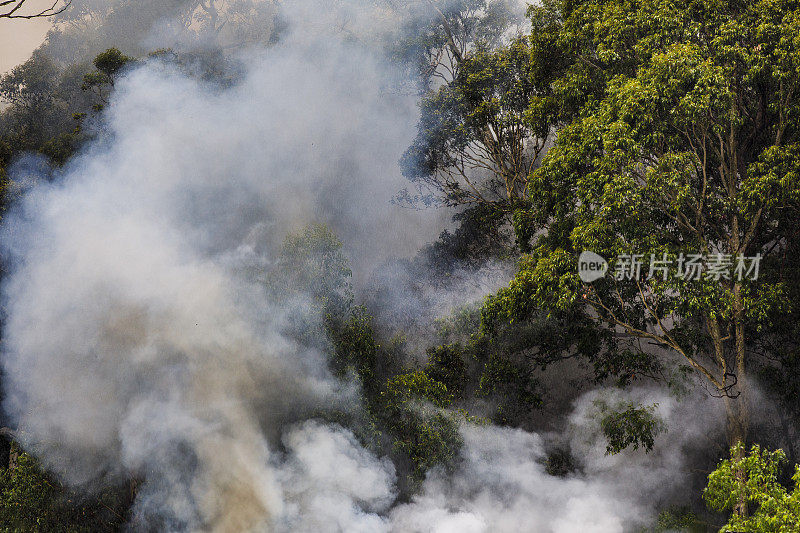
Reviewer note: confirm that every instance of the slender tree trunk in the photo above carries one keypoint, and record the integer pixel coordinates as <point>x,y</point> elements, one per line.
<point>736,421</point>
<point>737,408</point>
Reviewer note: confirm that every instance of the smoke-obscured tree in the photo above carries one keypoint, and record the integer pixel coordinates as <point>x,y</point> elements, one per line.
<point>477,143</point>
<point>47,105</point>
<point>310,281</point>
<point>89,26</point>
<point>31,499</point>
<point>437,35</point>
<point>409,410</point>
<point>43,101</point>
<point>629,425</point>
<point>312,261</point>
<point>778,362</point>
<point>414,409</point>
<point>680,518</point>
<point>406,408</point>
<point>509,362</point>
<point>678,138</point>
<point>474,146</point>
<point>31,89</point>
<point>408,413</point>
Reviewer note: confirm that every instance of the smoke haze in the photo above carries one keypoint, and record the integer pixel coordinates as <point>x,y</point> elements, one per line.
<point>18,38</point>
<point>140,338</point>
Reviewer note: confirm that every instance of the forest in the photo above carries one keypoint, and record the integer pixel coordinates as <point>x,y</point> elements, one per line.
<point>412,266</point>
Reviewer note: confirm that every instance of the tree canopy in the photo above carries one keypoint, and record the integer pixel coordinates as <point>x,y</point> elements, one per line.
<point>675,139</point>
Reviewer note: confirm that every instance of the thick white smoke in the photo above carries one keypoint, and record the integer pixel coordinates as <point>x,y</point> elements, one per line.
<point>140,339</point>
<point>501,485</point>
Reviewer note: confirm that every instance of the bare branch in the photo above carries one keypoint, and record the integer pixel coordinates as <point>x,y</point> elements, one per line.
<point>12,9</point>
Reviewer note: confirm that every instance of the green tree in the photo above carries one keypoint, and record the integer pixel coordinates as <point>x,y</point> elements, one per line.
<point>677,135</point>
<point>409,408</point>
<point>773,508</point>
<point>406,408</point>
<point>675,138</point>
<point>437,35</point>
<point>311,261</point>
<point>679,519</point>
<point>413,408</point>
<point>108,64</point>
<point>629,425</point>
<point>472,147</point>
<point>35,113</point>
<point>501,369</point>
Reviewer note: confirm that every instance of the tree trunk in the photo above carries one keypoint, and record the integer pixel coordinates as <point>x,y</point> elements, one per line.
<point>736,413</point>
<point>737,408</point>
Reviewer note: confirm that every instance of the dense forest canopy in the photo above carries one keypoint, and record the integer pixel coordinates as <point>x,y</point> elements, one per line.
<point>309,266</point>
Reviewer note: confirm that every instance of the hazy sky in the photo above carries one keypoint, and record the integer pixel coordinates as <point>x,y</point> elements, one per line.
<point>18,38</point>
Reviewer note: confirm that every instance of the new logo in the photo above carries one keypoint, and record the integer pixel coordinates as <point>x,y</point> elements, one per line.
<point>591,267</point>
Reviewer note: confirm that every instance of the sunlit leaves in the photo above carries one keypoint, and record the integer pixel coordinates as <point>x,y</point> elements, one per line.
<point>773,507</point>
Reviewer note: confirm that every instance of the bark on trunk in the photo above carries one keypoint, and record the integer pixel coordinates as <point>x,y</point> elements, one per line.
<point>737,408</point>
<point>737,433</point>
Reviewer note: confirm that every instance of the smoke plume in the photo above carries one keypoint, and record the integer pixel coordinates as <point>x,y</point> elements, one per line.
<point>140,339</point>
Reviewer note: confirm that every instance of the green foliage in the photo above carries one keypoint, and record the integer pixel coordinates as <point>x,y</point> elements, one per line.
<point>32,501</point>
<point>211,66</point>
<point>502,362</point>
<point>629,425</point>
<point>414,404</point>
<point>435,34</point>
<point>481,235</point>
<point>499,368</point>
<point>679,519</point>
<point>60,148</point>
<point>45,111</point>
<point>37,104</point>
<point>355,349</point>
<point>447,366</point>
<point>101,81</point>
<point>474,125</point>
<point>462,323</point>
<point>675,137</point>
<point>513,384</point>
<point>111,62</point>
<point>409,408</point>
<point>311,280</point>
<point>414,387</point>
<point>773,508</point>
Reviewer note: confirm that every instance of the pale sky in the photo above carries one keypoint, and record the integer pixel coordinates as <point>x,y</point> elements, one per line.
<point>19,37</point>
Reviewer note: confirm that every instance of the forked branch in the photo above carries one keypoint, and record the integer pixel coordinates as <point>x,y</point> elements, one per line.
<point>13,9</point>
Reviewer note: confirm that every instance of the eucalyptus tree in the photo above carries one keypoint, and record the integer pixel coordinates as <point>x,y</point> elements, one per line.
<point>678,160</point>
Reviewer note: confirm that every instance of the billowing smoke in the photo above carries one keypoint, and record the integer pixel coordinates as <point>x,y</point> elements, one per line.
<point>501,484</point>
<point>139,336</point>
<point>140,339</point>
